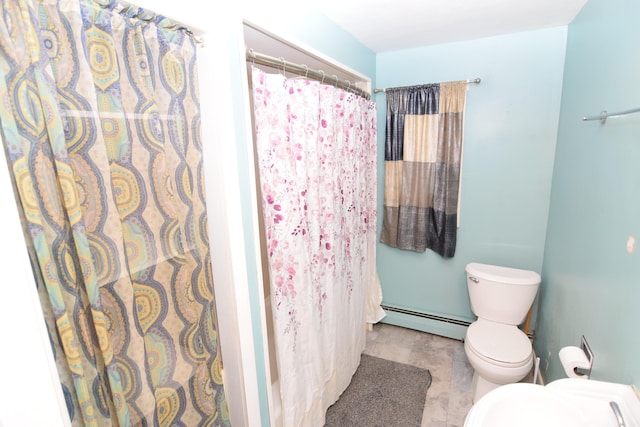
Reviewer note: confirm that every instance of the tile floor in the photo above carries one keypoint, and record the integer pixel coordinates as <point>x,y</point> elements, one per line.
<point>449,396</point>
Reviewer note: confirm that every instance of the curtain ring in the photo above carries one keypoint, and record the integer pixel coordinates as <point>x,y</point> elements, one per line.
<point>253,56</point>
<point>306,74</point>
<point>349,87</point>
<point>322,71</point>
<point>284,67</point>
<point>336,79</point>
<point>145,15</point>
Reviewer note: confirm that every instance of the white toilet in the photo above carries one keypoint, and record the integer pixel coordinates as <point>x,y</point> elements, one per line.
<point>499,352</point>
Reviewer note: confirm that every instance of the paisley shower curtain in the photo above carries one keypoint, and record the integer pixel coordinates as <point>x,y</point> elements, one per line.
<point>100,119</point>
<point>316,148</point>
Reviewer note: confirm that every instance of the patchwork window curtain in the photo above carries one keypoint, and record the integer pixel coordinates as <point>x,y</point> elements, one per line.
<point>101,124</point>
<point>423,153</point>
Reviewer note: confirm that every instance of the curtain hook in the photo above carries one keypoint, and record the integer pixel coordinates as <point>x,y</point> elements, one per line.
<point>349,87</point>
<point>336,79</point>
<point>322,71</point>
<point>306,74</point>
<point>145,15</point>
<point>284,67</point>
<point>198,39</point>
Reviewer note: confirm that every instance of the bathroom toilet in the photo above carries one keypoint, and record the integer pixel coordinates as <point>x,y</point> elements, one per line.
<point>499,352</point>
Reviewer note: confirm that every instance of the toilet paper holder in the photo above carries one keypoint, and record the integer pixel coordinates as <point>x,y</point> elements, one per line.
<point>584,345</point>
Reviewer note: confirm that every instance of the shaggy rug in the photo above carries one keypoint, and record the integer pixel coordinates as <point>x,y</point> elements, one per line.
<point>382,393</point>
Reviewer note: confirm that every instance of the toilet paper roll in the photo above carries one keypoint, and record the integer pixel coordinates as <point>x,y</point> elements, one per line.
<point>572,358</point>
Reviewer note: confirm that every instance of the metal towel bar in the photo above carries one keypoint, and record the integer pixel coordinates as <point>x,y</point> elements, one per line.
<point>604,115</point>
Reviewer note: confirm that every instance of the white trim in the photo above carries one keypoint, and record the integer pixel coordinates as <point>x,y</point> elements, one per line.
<point>227,232</point>
<point>253,180</point>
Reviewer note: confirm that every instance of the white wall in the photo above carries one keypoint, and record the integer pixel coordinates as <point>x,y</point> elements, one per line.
<point>227,233</point>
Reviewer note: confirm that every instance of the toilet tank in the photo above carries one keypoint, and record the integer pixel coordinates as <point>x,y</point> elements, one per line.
<point>501,294</point>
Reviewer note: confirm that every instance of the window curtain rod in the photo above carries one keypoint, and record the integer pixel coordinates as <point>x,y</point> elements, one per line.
<point>303,70</point>
<point>476,81</point>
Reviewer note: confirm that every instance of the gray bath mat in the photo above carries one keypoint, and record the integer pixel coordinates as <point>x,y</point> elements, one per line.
<point>382,393</point>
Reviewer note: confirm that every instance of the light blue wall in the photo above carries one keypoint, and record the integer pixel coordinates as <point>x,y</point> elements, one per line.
<point>510,135</point>
<point>511,129</point>
<point>592,285</point>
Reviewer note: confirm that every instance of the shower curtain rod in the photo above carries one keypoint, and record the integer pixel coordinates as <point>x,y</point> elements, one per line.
<point>303,70</point>
<point>476,81</point>
<point>132,11</point>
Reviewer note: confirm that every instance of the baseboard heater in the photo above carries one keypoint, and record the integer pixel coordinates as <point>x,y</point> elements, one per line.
<point>426,316</point>
<point>464,323</point>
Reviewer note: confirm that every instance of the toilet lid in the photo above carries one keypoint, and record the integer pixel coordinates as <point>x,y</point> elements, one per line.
<point>499,342</point>
<point>512,276</point>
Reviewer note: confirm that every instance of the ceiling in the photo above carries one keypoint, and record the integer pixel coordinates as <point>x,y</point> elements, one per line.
<point>390,25</point>
<point>387,25</point>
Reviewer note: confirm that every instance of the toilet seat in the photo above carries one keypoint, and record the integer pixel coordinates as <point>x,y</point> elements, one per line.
<point>499,344</point>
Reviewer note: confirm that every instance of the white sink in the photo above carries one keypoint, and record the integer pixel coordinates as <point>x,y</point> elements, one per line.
<point>567,402</point>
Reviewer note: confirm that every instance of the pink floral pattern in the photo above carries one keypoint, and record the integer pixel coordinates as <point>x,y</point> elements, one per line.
<point>316,149</point>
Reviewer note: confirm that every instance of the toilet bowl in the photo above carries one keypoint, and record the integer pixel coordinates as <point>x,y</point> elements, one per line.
<point>499,352</point>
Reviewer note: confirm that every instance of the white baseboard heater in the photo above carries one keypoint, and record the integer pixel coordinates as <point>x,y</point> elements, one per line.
<point>431,323</point>
<point>426,315</point>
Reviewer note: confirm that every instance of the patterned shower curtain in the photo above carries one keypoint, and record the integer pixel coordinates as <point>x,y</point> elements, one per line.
<point>423,152</point>
<point>100,119</point>
<point>316,149</point>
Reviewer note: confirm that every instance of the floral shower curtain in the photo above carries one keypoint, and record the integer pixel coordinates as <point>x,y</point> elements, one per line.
<point>423,152</point>
<point>316,149</point>
<point>100,118</point>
